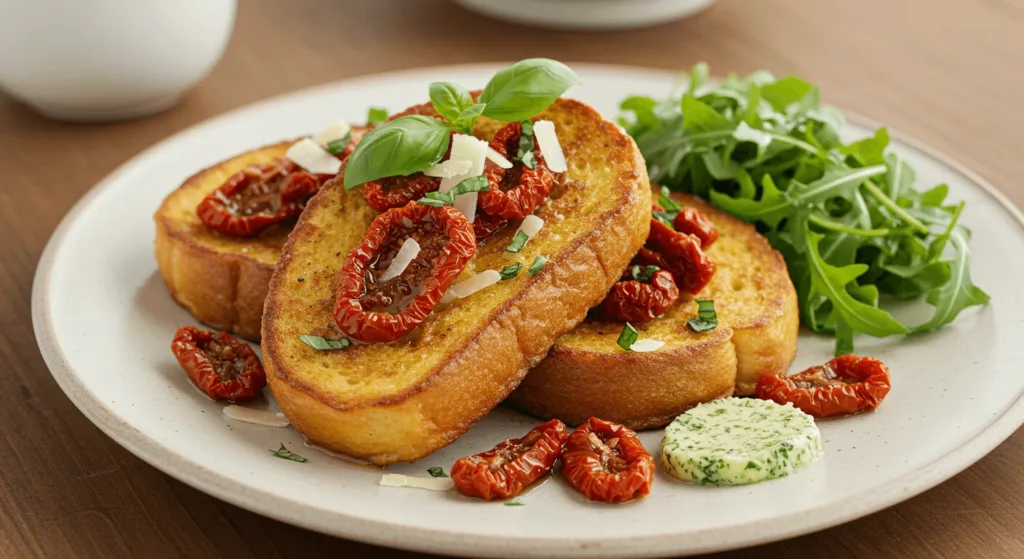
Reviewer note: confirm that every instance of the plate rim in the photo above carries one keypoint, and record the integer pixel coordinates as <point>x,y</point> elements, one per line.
<point>387,534</point>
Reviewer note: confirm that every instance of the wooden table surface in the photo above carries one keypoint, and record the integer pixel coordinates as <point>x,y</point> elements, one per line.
<point>949,73</point>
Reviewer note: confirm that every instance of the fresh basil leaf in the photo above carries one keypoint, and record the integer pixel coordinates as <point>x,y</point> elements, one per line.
<point>283,452</point>
<point>959,292</point>
<point>464,122</point>
<point>518,242</point>
<point>526,88</point>
<point>510,271</point>
<point>376,116</point>
<point>538,264</point>
<point>436,471</point>
<point>403,146</point>
<point>450,99</point>
<point>337,146</point>
<point>706,319</point>
<point>320,343</point>
<point>627,337</point>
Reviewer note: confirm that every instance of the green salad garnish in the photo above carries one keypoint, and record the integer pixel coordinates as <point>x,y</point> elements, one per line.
<point>847,217</point>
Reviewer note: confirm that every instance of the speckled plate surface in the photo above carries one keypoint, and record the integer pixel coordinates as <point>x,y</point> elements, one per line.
<point>104,322</point>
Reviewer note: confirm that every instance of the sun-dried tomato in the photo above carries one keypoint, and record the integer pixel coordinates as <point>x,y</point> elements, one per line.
<point>371,311</point>
<point>847,384</point>
<point>221,365</point>
<point>395,192</point>
<point>505,470</point>
<point>515,192</point>
<point>258,196</point>
<point>486,225</point>
<point>607,462</point>
<point>692,221</point>
<point>635,301</point>
<point>680,254</point>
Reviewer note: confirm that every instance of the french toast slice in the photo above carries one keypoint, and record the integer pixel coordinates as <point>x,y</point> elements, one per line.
<point>400,401</point>
<point>587,374</point>
<point>221,280</point>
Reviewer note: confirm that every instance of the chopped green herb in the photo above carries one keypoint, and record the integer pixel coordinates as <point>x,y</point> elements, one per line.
<point>526,146</point>
<point>431,202</point>
<point>665,200</point>
<point>706,319</point>
<point>510,271</point>
<point>478,183</point>
<point>376,115</point>
<point>287,454</point>
<point>515,503</point>
<point>337,146</point>
<point>628,337</point>
<point>518,242</point>
<point>538,265</point>
<point>643,274</point>
<point>436,471</point>
<point>322,344</point>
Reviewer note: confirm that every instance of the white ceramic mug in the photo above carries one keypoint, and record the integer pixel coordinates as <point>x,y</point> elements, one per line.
<point>94,60</point>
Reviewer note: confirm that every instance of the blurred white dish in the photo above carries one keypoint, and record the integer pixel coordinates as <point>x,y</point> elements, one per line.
<point>588,14</point>
<point>109,59</point>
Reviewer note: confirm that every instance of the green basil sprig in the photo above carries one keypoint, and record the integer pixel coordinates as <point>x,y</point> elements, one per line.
<point>403,146</point>
<point>411,144</point>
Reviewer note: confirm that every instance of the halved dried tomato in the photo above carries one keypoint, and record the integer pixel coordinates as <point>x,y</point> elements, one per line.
<point>692,221</point>
<point>221,365</point>
<point>515,192</point>
<point>505,470</point>
<point>635,301</point>
<point>847,384</point>
<point>486,225</point>
<point>395,192</point>
<point>370,311</point>
<point>258,196</point>
<point>607,462</point>
<point>680,254</point>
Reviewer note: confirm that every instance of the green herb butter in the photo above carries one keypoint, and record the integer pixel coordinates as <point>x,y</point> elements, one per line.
<point>737,441</point>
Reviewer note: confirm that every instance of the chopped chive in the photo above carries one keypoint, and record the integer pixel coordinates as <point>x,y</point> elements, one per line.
<point>538,265</point>
<point>445,198</point>
<point>376,115</point>
<point>510,271</point>
<point>518,242</point>
<point>287,454</point>
<point>436,471</point>
<point>515,503</point>
<point>706,319</point>
<point>628,337</point>
<point>668,218</point>
<point>322,344</point>
<point>437,198</point>
<point>431,203</point>
<point>526,146</point>
<point>337,146</point>
<point>643,274</point>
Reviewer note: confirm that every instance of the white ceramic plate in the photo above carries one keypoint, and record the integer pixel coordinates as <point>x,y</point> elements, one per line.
<point>104,323</point>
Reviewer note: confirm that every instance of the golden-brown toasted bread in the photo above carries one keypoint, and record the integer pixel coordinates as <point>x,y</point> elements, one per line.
<point>587,374</point>
<point>400,401</point>
<point>221,280</point>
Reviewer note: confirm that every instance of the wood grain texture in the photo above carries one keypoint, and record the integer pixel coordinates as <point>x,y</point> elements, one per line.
<point>948,73</point>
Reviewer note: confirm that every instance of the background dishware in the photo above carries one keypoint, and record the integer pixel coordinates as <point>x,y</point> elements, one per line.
<point>101,60</point>
<point>588,14</point>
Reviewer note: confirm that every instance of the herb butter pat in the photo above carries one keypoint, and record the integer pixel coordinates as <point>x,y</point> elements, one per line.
<point>737,441</point>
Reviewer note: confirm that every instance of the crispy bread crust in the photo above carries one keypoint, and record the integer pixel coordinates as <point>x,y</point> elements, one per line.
<point>586,375</point>
<point>490,353</point>
<point>221,280</point>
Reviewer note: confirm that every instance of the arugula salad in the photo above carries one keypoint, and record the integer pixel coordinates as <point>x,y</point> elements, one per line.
<point>856,232</point>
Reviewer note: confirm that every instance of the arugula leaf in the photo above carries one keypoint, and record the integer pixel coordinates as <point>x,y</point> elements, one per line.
<point>959,292</point>
<point>404,146</point>
<point>699,117</point>
<point>526,88</point>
